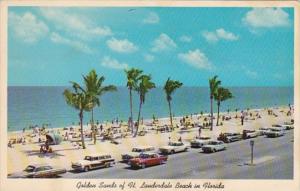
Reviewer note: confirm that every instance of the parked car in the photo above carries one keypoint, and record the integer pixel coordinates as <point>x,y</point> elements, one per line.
<point>277,126</point>
<point>174,147</point>
<point>147,159</point>
<point>38,171</point>
<point>93,161</point>
<point>135,152</point>
<point>275,132</point>
<point>214,146</point>
<point>263,130</point>
<point>200,141</point>
<point>247,134</point>
<point>287,126</point>
<point>229,137</point>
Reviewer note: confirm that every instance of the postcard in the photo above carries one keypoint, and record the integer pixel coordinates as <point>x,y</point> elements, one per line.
<point>149,95</point>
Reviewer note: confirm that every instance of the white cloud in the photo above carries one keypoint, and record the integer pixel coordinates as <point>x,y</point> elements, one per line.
<point>210,36</point>
<point>222,34</point>
<point>58,39</point>
<point>185,38</point>
<point>109,62</point>
<point>148,57</point>
<point>266,18</point>
<point>196,58</point>
<point>152,18</point>
<point>250,73</point>
<point>74,24</point>
<point>163,43</point>
<point>27,27</point>
<point>219,34</point>
<point>123,46</point>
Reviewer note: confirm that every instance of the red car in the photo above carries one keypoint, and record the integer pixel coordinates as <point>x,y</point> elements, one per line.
<point>147,159</point>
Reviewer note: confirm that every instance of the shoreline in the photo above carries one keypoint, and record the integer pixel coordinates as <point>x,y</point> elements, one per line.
<point>163,118</point>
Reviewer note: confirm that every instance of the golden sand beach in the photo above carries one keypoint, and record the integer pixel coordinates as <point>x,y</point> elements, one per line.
<point>22,154</point>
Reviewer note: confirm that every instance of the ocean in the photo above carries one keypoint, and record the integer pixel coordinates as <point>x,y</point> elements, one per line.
<point>46,105</point>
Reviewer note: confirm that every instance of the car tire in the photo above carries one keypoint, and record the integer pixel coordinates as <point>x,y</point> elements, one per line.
<point>214,150</point>
<point>143,165</point>
<point>185,149</point>
<point>107,165</point>
<point>172,151</point>
<point>86,168</point>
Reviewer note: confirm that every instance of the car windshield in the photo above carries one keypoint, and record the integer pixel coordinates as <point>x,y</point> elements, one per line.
<point>87,158</point>
<point>144,156</point>
<point>213,143</point>
<point>136,150</point>
<point>29,169</point>
<point>174,144</point>
<point>204,138</point>
<point>275,130</point>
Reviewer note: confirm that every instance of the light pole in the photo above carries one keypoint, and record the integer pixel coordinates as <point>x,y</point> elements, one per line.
<point>252,145</point>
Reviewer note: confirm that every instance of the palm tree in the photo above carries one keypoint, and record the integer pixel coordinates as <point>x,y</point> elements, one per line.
<point>132,79</point>
<point>94,88</point>
<point>81,101</point>
<point>143,87</point>
<point>170,87</point>
<point>222,94</point>
<point>213,86</point>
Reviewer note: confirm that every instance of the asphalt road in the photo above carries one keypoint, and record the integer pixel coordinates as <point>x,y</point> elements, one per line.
<point>273,159</point>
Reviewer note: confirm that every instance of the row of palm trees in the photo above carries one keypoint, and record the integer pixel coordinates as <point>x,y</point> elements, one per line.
<point>86,98</point>
<point>141,83</point>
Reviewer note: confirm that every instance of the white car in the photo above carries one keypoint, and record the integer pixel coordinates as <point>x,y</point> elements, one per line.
<point>263,130</point>
<point>93,161</point>
<point>250,134</point>
<point>280,127</point>
<point>214,146</point>
<point>287,126</point>
<point>275,132</point>
<point>174,147</point>
<point>136,151</point>
<point>200,141</point>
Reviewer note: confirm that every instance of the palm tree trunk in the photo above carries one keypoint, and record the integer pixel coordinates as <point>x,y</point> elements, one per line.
<point>138,120</point>
<point>218,113</point>
<point>211,113</point>
<point>93,127</point>
<point>170,111</point>
<point>81,129</point>
<point>130,97</point>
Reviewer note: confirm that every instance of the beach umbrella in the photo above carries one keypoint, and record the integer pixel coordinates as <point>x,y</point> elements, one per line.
<point>54,139</point>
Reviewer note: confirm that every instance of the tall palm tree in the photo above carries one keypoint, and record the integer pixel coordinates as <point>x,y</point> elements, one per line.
<point>170,87</point>
<point>213,86</point>
<point>81,101</point>
<point>94,88</point>
<point>145,84</point>
<point>222,94</point>
<point>132,78</point>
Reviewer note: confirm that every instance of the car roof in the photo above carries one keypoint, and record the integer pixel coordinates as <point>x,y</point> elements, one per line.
<point>149,153</point>
<point>216,141</point>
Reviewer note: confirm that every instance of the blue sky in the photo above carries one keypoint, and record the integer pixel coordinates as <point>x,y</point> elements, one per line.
<point>243,46</point>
